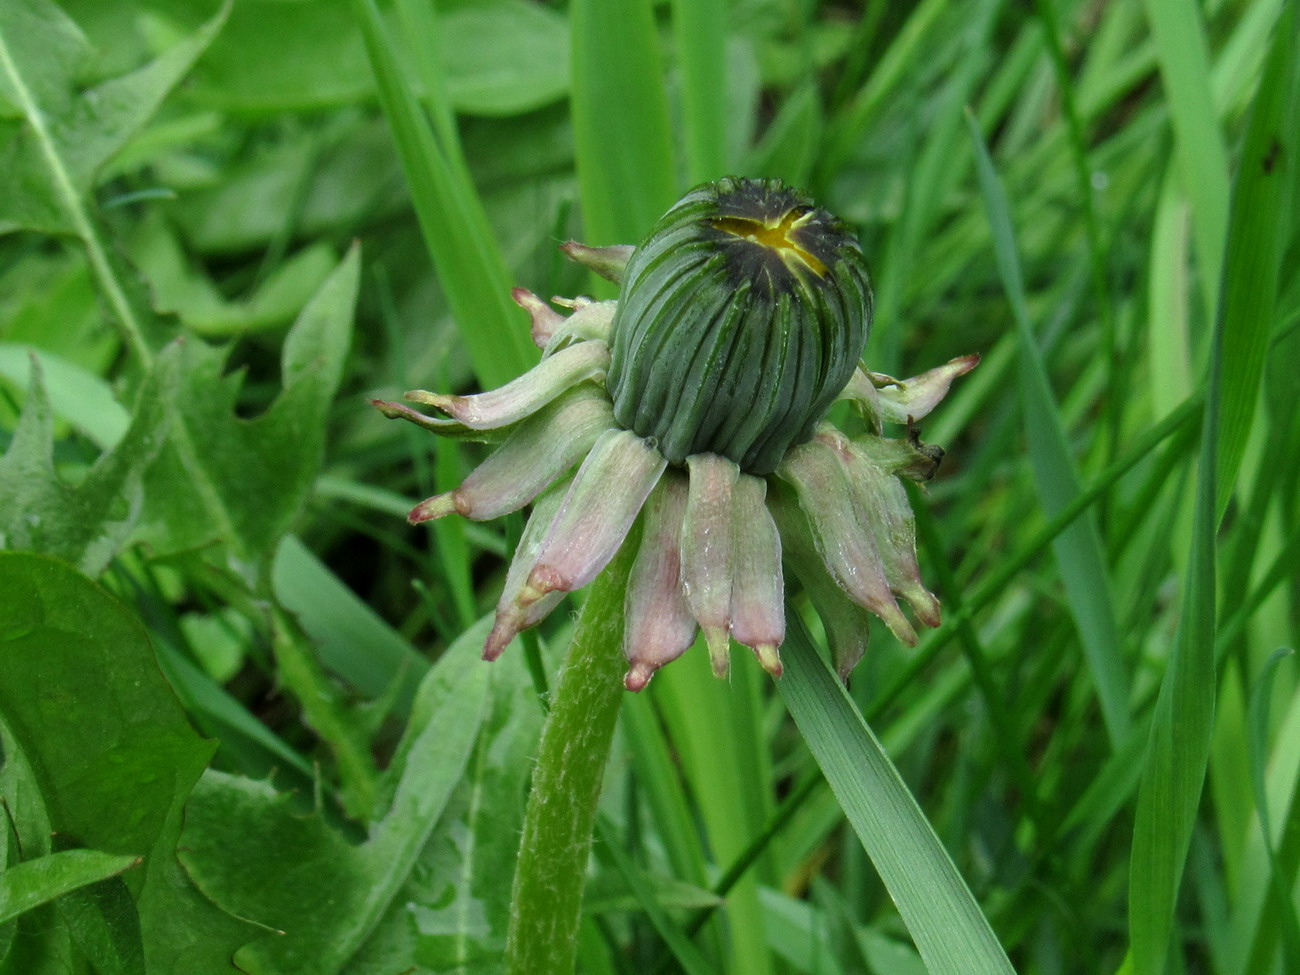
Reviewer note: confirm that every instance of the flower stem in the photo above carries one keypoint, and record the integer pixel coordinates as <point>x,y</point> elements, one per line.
<point>561,814</point>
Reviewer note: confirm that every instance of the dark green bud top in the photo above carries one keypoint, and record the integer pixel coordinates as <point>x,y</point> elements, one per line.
<point>741,317</point>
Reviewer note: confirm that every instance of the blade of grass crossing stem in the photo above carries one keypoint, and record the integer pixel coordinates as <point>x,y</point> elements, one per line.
<point>470,267</point>
<point>950,932</point>
<point>1183,56</point>
<point>1264,196</point>
<point>626,168</point>
<point>1182,726</point>
<point>700,34</point>
<point>1078,550</point>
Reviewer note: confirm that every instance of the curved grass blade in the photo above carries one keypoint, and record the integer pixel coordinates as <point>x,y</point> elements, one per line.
<point>951,933</point>
<point>1078,550</point>
<point>470,266</point>
<point>1264,197</point>
<point>1183,55</point>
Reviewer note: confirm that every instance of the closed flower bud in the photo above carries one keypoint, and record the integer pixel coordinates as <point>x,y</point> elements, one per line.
<point>700,397</point>
<point>741,318</point>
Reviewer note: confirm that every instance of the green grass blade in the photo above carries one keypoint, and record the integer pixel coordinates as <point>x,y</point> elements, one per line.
<point>716,730</point>
<point>891,70</point>
<point>1264,196</point>
<point>700,32</point>
<point>1258,716</point>
<point>1182,727</point>
<point>351,639</point>
<point>470,266</point>
<point>951,933</point>
<point>1183,55</point>
<point>1078,550</point>
<point>626,166</point>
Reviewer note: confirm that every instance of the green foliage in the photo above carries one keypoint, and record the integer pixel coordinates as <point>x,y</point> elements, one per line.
<point>105,760</point>
<point>243,726</point>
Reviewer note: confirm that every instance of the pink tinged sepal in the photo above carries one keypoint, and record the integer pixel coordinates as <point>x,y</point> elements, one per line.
<point>608,262</point>
<point>527,394</point>
<point>848,625</point>
<point>882,503</point>
<point>895,401</point>
<point>707,551</point>
<point>545,319</point>
<point>537,452</point>
<point>439,425</point>
<point>757,584</point>
<point>843,538</point>
<point>602,503</point>
<point>518,608</point>
<point>658,625</point>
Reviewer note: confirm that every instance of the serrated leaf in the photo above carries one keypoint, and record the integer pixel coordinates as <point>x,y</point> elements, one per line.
<point>241,483</point>
<point>76,395</point>
<point>52,156</point>
<point>109,747</point>
<point>454,909</point>
<point>32,883</point>
<point>259,856</point>
<point>85,523</point>
<point>51,160</point>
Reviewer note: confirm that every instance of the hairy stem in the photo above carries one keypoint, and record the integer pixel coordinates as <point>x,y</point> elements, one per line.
<point>561,814</point>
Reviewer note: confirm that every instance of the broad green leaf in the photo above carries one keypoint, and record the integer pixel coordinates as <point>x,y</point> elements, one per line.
<point>192,296</point>
<point>109,747</point>
<point>48,302</point>
<point>76,396</point>
<point>243,482</point>
<point>51,159</point>
<point>324,182</point>
<point>626,165</point>
<point>942,916</point>
<point>88,523</point>
<point>296,874</point>
<point>1079,555</point>
<point>503,57</point>
<point>103,925</point>
<point>32,883</point>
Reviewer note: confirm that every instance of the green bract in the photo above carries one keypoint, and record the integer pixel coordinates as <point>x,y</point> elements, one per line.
<point>741,317</point>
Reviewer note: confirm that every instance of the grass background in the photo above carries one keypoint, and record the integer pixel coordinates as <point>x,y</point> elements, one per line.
<point>1097,197</point>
